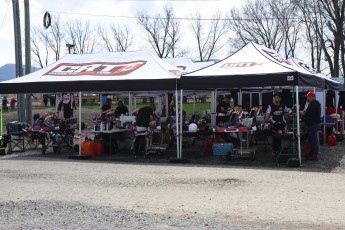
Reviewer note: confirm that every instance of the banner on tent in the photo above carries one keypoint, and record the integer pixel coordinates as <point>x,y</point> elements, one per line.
<point>95,68</point>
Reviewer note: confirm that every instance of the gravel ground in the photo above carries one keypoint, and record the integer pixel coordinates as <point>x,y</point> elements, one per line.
<point>67,215</point>
<point>119,192</point>
<point>54,192</point>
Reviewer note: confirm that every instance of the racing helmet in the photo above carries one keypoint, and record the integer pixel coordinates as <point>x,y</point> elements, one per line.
<point>192,128</point>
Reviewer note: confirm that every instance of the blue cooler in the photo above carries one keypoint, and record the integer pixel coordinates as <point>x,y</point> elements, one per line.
<point>329,119</point>
<point>222,149</point>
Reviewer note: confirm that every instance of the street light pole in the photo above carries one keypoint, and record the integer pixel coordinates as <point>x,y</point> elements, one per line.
<point>27,58</point>
<point>18,54</point>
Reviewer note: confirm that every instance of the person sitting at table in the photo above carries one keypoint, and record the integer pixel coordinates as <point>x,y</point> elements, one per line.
<point>107,104</point>
<point>121,109</point>
<point>235,115</point>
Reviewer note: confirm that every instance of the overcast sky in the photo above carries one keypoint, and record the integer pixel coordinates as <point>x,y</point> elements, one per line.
<point>78,9</point>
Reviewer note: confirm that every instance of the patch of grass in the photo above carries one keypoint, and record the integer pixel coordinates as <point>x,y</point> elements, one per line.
<point>188,107</point>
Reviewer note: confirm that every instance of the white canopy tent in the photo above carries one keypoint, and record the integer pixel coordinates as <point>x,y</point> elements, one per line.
<point>185,64</point>
<point>253,67</point>
<point>99,72</point>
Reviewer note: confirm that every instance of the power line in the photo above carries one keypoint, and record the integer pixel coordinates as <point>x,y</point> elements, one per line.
<point>3,20</point>
<point>160,18</point>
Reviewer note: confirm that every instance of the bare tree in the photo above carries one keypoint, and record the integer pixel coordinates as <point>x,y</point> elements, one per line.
<point>162,32</point>
<point>55,37</point>
<point>208,37</point>
<point>119,40</point>
<point>105,38</point>
<point>48,39</point>
<point>39,42</point>
<point>122,37</point>
<point>255,22</point>
<point>81,35</point>
<point>310,17</point>
<point>333,44</point>
<point>286,14</point>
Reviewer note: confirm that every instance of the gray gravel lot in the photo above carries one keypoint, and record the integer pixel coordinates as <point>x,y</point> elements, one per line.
<point>54,192</point>
<point>67,215</point>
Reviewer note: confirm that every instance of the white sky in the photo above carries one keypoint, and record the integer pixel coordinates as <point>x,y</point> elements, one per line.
<point>103,7</point>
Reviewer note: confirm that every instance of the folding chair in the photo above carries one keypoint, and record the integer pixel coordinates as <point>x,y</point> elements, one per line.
<point>17,133</point>
<point>261,136</point>
<point>32,141</point>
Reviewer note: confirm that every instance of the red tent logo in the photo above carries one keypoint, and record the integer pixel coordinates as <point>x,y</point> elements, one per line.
<point>240,64</point>
<point>95,68</point>
<point>276,57</point>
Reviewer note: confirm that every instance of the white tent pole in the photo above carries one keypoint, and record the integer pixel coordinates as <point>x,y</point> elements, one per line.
<point>130,109</point>
<point>79,131</point>
<point>260,100</point>
<point>213,112</point>
<point>336,113</point>
<point>166,105</point>
<point>181,120</point>
<point>212,101</point>
<point>298,128</point>
<point>134,101</point>
<point>177,125</point>
<point>159,105</point>
<point>194,105</point>
<point>240,99</point>
<point>57,98</point>
<point>215,99</point>
<point>341,115</point>
<point>324,117</point>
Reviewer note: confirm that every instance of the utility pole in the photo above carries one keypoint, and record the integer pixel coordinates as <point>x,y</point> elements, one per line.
<point>28,105</point>
<point>18,51</point>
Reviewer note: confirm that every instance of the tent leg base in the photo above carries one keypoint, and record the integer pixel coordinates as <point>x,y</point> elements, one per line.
<point>179,160</point>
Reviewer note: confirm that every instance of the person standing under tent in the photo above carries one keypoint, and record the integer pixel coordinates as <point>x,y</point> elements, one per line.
<point>68,103</point>
<point>107,104</point>
<point>143,118</point>
<point>4,104</point>
<point>13,103</point>
<point>45,99</point>
<point>223,107</point>
<point>121,109</point>
<point>312,121</point>
<point>275,114</point>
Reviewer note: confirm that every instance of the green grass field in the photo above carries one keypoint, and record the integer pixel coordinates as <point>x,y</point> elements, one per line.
<point>188,107</point>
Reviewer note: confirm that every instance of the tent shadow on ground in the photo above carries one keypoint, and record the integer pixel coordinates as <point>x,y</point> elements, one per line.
<point>330,159</point>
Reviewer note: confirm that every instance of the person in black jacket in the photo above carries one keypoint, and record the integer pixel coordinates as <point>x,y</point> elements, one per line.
<point>107,104</point>
<point>121,109</point>
<point>312,121</point>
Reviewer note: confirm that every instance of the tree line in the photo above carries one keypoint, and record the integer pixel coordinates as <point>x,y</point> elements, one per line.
<point>315,26</point>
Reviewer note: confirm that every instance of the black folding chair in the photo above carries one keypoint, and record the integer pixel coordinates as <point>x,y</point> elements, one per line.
<point>17,133</point>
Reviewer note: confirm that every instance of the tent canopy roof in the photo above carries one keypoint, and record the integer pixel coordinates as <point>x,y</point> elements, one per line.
<point>185,64</point>
<point>253,66</point>
<point>111,71</point>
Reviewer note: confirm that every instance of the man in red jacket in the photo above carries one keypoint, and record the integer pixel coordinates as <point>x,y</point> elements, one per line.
<point>312,121</point>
